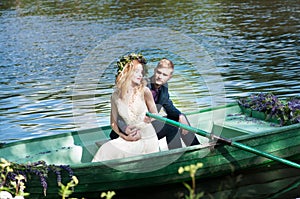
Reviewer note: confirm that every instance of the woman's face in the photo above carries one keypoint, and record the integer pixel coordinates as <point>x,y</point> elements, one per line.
<point>137,73</point>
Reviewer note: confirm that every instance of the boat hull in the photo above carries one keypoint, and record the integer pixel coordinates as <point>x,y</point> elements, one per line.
<point>227,171</point>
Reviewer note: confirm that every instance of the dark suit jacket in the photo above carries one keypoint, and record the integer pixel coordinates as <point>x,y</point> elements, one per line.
<point>165,102</point>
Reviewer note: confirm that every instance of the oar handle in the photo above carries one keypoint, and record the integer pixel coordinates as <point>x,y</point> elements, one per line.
<point>224,140</point>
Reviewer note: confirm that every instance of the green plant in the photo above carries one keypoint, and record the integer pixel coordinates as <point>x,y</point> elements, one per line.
<point>108,195</point>
<point>66,191</point>
<point>14,175</point>
<point>192,169</point>
<point>14,183</point>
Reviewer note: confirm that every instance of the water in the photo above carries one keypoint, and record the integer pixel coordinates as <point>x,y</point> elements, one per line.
<point>253,46</point>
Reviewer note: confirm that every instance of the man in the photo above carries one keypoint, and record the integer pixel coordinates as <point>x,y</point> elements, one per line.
<point>159,88</point>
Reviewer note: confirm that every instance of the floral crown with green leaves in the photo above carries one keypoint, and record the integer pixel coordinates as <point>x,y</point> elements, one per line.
<point>128,58</point>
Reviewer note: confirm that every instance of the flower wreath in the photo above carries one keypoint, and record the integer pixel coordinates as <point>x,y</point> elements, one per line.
<point>128,58</point>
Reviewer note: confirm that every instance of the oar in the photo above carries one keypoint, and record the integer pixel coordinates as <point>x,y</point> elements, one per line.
<point>224,140</point>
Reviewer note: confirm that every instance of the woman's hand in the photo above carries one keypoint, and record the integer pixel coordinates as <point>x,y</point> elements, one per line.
<point>147,119</point>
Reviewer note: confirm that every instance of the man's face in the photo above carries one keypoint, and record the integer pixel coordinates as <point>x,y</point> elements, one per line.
<point>162,75</point>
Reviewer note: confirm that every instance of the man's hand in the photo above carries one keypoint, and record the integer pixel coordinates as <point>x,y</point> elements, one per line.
<point>130,129</point>
<point>136,135</point>
<point>133,133</point>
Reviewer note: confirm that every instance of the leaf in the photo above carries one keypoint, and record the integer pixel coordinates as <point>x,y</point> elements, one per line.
<point>187,186</point>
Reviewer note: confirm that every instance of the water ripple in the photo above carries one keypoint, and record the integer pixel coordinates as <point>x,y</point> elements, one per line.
<point>254,45</point>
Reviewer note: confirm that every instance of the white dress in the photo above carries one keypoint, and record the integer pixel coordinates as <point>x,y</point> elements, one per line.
<point>133,114</point>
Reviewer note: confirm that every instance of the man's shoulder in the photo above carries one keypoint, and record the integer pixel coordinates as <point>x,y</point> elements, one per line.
<point>164,87</point>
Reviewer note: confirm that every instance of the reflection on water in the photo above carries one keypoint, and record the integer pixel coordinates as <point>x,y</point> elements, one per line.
<point>253,44</point>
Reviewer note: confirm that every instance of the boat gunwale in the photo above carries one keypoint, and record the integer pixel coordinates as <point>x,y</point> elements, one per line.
<point>47,137</point>
<point>84,131</point>
<point>107,127</point>
<point>210,146</point>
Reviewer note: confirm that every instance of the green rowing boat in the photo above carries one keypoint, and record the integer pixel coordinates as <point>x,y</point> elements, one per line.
<point>270,169</point>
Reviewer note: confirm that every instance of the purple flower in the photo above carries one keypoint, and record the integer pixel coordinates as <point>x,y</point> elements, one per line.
<point>273,107</point>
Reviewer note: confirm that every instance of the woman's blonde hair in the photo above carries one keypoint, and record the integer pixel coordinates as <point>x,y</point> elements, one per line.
<point>123,78</point>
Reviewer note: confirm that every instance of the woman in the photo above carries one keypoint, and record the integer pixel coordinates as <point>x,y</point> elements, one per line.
<point>130,100</point>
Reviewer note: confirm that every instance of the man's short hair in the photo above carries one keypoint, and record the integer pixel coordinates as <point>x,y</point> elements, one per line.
<point>165,63</point>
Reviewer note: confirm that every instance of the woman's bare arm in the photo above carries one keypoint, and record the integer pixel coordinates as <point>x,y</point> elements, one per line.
<point>150,104</point>
<point>113,117</point>
<point>150,101</point>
